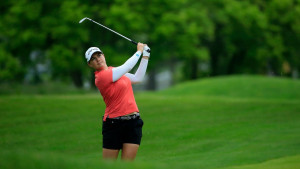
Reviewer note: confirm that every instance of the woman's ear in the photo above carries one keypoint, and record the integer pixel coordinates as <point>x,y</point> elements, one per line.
<point>89,64</point>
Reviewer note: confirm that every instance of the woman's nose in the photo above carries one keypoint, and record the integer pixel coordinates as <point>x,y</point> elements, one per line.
<point>98,59</point>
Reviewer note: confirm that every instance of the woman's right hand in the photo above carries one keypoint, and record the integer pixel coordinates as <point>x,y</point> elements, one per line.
<point>140,47</point>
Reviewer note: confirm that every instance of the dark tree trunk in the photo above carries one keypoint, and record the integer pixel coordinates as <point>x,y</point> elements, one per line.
<point>172,69</point>
<point>36,77</point>
<point>215,51</point>
<point>235,63</point>
<point>152,80</point>
<point>92,80</point>
<point>77,79</point>
<point>194,68</point>
<point>213,64</point>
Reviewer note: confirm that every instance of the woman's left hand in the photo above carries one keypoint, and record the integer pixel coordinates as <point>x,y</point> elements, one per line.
<point>140,47</point>
<point>145,52</point>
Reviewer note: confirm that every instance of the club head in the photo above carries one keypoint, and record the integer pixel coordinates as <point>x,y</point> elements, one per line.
<point>82,20</point>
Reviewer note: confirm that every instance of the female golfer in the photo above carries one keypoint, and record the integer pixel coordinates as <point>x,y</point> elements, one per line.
<point>122,125</point>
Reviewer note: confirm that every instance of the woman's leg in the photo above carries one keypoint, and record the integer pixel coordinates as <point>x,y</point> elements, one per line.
<point>109,154</point>
<point>129,151</point>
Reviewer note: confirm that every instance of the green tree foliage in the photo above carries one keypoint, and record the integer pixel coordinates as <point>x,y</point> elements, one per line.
<point>283,34</point>
<point>231,36</point>
<point>238,46</point>
<point>49,26</point>
<point>255,36</point>
<point>10,67</point>
<point>66,52</point>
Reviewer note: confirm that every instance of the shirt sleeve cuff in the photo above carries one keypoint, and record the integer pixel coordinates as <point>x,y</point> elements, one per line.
<point>139,53</point>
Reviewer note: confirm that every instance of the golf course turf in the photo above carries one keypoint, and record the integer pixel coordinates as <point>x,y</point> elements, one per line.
<point>230,122</point>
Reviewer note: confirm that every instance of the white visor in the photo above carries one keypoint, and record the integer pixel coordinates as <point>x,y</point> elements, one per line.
<point>89,53</point>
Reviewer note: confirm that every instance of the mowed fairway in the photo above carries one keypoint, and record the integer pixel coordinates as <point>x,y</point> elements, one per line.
<point>227,122</point>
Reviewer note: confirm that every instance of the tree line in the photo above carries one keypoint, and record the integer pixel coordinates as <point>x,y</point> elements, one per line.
<point>228,36</point>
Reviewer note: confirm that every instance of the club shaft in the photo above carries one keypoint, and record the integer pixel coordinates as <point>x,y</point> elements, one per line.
<point>112,31</point>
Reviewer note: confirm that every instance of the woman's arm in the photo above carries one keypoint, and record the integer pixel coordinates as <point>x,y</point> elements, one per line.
<point>118,72</point>
<point>140,73</point>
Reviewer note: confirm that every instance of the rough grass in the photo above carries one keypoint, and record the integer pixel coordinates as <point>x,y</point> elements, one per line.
<point>226,122</point>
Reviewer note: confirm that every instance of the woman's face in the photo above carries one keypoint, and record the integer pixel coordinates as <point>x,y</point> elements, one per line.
<point>97,61</point>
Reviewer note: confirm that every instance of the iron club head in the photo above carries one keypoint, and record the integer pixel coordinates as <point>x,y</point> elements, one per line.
<point>82,20</point>
<point>110,30</point>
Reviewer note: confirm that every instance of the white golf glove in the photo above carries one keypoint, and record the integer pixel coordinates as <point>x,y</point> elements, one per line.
<point>145,53</point>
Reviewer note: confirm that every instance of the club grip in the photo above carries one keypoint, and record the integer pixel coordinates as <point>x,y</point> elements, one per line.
<point>137,43</point>
<point>133,42</point>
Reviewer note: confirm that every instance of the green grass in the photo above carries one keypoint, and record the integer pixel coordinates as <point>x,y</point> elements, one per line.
<point>57,88</point>
<point>226,122</point>
<point>286,163</point>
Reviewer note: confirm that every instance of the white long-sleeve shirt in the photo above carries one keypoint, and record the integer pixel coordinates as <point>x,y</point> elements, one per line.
<point>118,72</point>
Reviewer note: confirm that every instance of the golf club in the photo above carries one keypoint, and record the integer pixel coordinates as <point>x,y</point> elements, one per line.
<point>110,30</point>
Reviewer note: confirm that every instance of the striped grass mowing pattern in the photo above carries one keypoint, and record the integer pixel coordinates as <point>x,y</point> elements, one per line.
<point>225,122</point>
